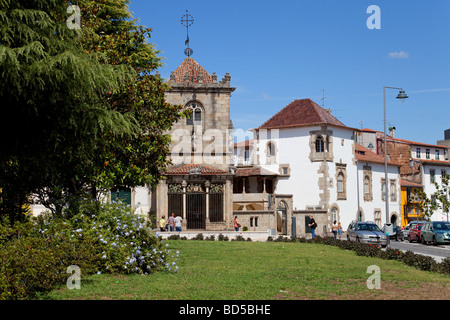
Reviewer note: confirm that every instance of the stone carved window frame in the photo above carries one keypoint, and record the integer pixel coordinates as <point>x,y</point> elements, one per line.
<point>271,152</point>
<point>341,171</point>
<point>195,106</point>
<point>383,191</point>
<point>367,176</point>
<point>283,168</point>
<point>393,190</point>
<point>327,138</point>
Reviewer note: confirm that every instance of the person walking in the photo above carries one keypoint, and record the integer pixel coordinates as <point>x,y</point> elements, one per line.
<point>171,222</point>
<point>340,230</point>
<point>162,224</point>
<point>177,221</point>
<point>236,223</point>
<point>335,228</point>
<point>313,225</point>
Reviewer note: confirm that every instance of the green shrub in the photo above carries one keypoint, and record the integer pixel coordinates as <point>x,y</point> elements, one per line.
<point>199,236</point>
<point>425,263</point>
<point>108,238</point>
<point>409,258</point>
<point>391,254</point>
<point>34,264</point>
<point>444,266</point>
<point>174,237</point>
<point>222,237</point>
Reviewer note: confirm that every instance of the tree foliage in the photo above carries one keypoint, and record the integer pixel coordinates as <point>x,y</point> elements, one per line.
<point>111,31</point>
<point>439,201</point>
<point>80,109</point>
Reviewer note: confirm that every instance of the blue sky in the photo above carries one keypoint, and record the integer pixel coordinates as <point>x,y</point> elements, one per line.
<point>279,51</point>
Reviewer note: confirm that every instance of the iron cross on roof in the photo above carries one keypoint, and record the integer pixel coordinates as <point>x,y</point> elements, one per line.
<point>187,20</point>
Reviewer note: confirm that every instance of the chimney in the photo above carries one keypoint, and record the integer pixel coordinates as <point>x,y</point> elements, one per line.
<point>392,132</point>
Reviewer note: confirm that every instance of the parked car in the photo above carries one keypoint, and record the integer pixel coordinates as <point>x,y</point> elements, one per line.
<point>367,232</point>
<point>403,234</point>
<point>435,232</point>
<point>414,232</point>
<point>396,233</point>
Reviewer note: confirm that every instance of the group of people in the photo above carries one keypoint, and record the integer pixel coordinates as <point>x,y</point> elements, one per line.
<point>171,223</point>
<point>336,228</point>
<point>174,223</point>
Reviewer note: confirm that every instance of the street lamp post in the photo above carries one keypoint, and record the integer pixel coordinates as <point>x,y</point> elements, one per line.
<point>401,95</point>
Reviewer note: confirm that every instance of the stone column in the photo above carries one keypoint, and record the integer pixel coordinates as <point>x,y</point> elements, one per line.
<point>228,203</point>
<point>184,222</point>
<point>207,185</point>
<point>162,200</point>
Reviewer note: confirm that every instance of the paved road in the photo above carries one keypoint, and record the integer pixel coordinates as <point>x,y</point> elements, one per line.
<point>442,251</point>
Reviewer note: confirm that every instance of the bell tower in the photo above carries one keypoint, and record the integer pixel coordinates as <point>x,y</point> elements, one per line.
<point>198,185</point>
<point>205,136</point>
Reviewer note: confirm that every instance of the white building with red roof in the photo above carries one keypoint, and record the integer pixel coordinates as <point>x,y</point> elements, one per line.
<point>315,166</point>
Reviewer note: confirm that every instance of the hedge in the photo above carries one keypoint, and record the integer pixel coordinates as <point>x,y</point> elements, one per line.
<point>409,258</point>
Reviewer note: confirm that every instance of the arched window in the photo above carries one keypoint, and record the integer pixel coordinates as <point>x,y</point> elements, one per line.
<point>271,149</point>
<point>334,215</point>
<point>320,145</point>
<point>189,119</point>
<point>198,115</point>
<point>195,114</point>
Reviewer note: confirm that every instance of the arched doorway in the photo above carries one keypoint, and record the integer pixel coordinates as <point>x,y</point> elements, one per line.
<point>282,217</point>
<point>394,219</point>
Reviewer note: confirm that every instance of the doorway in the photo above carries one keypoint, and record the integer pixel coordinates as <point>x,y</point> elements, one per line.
<point>282,218</point>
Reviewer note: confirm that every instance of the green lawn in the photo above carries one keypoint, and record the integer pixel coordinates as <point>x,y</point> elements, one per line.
<point>265,270</point>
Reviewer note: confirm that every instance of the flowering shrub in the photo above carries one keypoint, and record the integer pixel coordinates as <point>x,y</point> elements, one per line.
<point>125,239</point>
<point>222,237</point>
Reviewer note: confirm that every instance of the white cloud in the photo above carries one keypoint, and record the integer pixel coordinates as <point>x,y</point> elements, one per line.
<point>265,96</point>
<point>399,55</point>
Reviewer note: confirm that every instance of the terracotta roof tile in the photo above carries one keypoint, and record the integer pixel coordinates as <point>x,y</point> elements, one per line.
<point>245,143</point>
<point>186,169</point>
<point>255,171</point>
<point>406,183</point>
<point>302,112</point>
<point>365,155</point>
<point>193,70</point>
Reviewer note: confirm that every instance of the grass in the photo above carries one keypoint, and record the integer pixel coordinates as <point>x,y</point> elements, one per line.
<point>213,270</point>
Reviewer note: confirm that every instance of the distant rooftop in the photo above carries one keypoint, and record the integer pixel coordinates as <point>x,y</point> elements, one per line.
<point>304,112</point>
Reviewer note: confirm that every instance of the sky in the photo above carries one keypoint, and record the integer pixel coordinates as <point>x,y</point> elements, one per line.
<point>280,51</point>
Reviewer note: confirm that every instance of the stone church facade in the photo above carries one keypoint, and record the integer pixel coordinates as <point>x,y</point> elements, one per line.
<point>198,186</point>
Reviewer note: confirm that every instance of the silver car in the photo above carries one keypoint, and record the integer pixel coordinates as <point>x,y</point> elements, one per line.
<point>366,232</point>
<point>435,232</point>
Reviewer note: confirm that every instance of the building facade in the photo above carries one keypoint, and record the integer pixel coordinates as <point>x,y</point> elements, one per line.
<point>198,185</point>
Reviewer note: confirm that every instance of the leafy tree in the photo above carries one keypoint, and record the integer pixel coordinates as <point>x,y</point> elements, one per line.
<point>438,202</point>
<point>84,109</point>
<point>109,29</point>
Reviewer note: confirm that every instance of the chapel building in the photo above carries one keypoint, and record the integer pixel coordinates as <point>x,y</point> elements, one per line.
<point>198,185</point>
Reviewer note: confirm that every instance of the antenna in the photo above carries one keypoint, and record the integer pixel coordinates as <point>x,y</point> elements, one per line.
<point>187,20</point>
<point>323,98</point>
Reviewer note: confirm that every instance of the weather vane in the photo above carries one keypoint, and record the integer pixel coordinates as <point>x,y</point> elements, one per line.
<point>187,21</point>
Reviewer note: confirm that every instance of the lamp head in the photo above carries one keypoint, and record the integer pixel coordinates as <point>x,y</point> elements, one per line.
<point>402,95</point>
